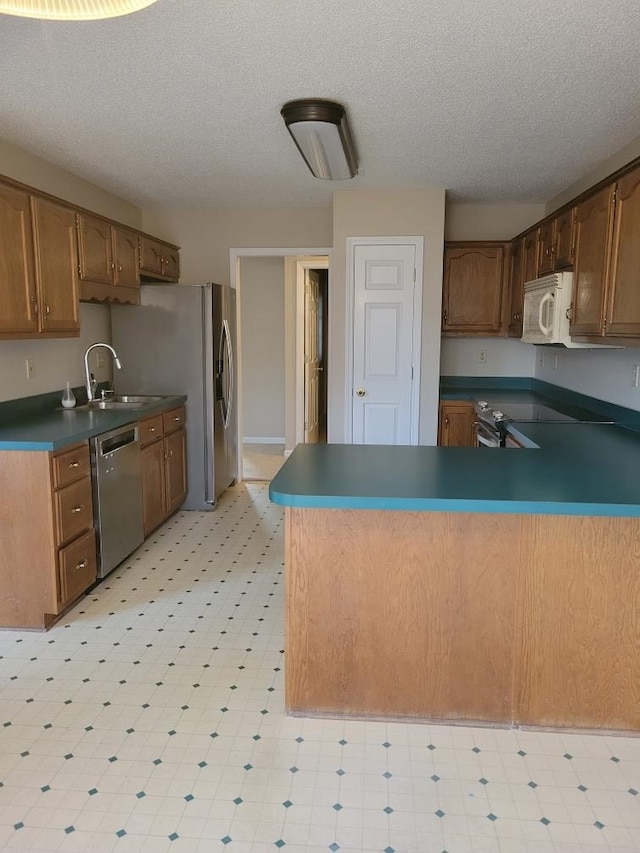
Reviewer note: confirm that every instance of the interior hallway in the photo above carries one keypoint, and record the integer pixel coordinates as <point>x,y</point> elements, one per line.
<point>151,719</point>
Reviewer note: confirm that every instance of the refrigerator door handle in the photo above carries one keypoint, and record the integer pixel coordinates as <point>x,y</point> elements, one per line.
<point>227,400</point>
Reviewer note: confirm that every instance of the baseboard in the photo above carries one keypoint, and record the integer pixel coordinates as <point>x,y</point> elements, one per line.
<point>255,439</point>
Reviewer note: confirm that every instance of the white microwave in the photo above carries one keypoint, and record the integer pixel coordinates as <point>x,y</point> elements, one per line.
<point>547,304</point>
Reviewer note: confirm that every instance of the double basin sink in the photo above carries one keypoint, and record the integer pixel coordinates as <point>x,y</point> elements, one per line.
<point>123,401</point>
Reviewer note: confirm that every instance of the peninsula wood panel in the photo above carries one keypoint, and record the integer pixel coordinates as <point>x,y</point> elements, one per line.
<point>580,639</point>
<point>525,619</point>
<point>400,614</point>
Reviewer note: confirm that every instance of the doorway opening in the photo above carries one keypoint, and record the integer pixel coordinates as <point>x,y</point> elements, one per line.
<point>279,404</point>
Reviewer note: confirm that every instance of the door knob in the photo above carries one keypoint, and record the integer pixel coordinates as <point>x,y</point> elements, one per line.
<point>360,392</point>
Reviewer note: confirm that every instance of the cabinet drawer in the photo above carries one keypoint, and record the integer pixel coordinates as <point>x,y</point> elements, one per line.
<point>150,430</point>
<point>77,563</point>
<point>174,419</point>
<point>71,465</point>
<point>74,513</point>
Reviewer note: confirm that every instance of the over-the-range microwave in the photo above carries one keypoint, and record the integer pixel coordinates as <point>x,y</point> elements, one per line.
<point>546,315</point>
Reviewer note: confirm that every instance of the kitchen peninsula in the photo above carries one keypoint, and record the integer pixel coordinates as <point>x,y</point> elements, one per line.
<point>464,585</point>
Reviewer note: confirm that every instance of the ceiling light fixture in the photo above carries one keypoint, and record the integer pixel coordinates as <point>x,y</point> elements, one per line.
<point>321,133</point>
<point>72,10</point>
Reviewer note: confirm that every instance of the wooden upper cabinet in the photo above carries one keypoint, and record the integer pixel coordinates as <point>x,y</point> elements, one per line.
<point>56,266</point>
<point>623,303</point>
<point>107,261</point>
<point>94,249</point>
<point>530,255</point>
<point>18,301</point>
<point>158,260</point>
<point>472,299</point>
<point>546,247</point>
<point>125,248</point>
<point>564,254</point>
<point>516,289</point>
<point>594,225</point>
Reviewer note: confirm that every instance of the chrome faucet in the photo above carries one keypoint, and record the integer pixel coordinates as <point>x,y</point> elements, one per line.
<point>90,382</point>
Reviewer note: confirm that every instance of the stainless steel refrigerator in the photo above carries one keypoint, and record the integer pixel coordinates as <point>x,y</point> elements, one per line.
<point>181,340</point>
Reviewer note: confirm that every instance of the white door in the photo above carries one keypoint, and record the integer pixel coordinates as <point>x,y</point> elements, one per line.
<point>386,344</point>
<point>311,356</point>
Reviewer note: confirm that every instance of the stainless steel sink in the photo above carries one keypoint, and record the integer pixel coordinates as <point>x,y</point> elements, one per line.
<point>124,401</point>
<point>136,398</point>
<point>113,404</point>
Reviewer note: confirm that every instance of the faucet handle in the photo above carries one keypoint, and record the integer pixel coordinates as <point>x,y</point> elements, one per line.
<point>107,392</point>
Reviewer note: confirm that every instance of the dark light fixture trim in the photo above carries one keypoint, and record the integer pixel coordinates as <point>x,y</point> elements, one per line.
<point>322,135</point>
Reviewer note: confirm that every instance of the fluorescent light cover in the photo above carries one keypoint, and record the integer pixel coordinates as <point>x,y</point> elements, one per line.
<point>72,10</point>
<point>321,133</point>
<point>321,147</point>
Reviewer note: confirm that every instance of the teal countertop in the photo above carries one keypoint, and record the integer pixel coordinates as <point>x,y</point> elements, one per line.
<point>565,469</point>
<point>54,428</point>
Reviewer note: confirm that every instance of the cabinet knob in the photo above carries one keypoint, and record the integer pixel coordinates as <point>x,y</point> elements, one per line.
<point>177,418</point>
<point>78,508</point>
<point>152,429</point>
<point>81,565</point>
<point>74,464</point>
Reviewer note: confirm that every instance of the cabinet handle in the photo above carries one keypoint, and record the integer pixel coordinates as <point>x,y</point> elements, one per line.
<point>444,316</point>
<point>78,508</point>
<point>446,421</point>
<point>81,565</point>
<point>171,454</point>
<point>47,310</point>
<point>152,429</point>
<point>74,464</point>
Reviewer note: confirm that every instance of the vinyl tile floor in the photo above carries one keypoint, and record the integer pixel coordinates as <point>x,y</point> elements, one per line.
<point>151,719</point>
<point>261,461</point>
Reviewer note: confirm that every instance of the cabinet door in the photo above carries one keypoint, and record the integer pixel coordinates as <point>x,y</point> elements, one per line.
<point>176,470</point>
<point>516,290</point>
<point>472,289</point>
<point>171,263</point>
<point>594,221</point>
<point>530,256</point>
<point>94,249</point>
<point>77,567</point>
<point>56,266</point>
<point>153,485</point>
<point>125,244</point>
<point>17,284</point>
<point>546,247</point>
<point>623,310</point>
<point>456,424</point>
<point>564,245</point>
<point>151,255</point>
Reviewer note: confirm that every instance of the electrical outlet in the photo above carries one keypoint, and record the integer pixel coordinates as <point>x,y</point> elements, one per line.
<point>555,362</point>
<point>482,356</point>
<point>31,368</point>
<point>540,357</point>
<point>635,375</point>
<point>100,359</point>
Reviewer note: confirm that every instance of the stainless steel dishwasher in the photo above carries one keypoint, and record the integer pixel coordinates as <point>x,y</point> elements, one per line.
<point>117,495</point>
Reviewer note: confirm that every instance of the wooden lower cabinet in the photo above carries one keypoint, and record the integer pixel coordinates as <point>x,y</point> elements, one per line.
<point>164,473</point>
<point>47,546</point>
<point>455,426</point>
<point>494,618</point>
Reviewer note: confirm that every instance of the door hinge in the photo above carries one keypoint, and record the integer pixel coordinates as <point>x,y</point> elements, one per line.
<point>615,196</point>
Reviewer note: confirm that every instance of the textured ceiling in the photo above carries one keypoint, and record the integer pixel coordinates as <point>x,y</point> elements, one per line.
<point>500,100</point>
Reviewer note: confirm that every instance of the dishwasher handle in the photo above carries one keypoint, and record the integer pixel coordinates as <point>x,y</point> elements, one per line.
<point>117,441</point>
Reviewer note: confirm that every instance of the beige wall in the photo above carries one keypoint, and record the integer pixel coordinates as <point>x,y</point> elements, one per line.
<point>598,173</point>
<point>262,348</point>
<point>358,213</point>
<point>22,166</point>
<point>489,221</point>
<point>57,360</point>
<point>205,236</point>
